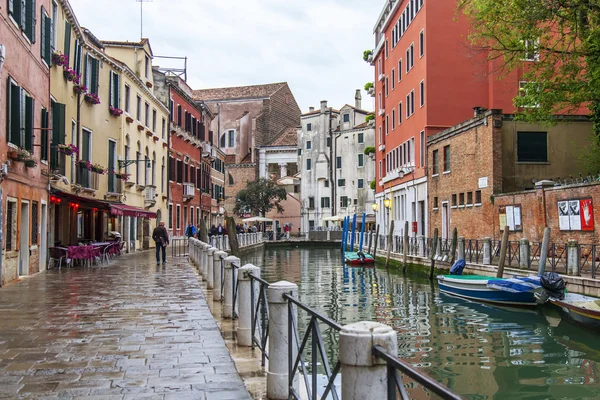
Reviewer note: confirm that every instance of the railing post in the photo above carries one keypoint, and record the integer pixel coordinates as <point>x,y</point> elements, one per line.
<point>205,263</point>
<point>244,328</point>
<point>573,257</point>
<point>461,248</point>
<point>524,253</point>
<point>218,279</point>
<point>487,251</point>
<point>363,375</point>
<point>210,272</point>
<point>228,289</point>
<point>225,243</point>
<point>423,246</point>
<point>279,350</point>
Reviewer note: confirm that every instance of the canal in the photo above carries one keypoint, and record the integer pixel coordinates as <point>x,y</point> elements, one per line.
<point>479,351</point>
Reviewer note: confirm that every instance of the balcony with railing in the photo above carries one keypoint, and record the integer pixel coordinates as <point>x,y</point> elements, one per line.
<point>87,180</point>
<point>149,196</point>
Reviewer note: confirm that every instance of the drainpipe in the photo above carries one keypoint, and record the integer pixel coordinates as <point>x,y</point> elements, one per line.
<point>332,169</point>
<point>169,156</point>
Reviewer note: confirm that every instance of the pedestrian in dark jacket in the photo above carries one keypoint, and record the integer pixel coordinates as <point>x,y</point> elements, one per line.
<point>161,238</point>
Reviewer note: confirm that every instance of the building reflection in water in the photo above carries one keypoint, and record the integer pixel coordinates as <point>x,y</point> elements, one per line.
<point>479,351</point>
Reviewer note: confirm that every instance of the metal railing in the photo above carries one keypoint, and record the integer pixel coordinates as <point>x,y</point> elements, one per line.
<point>260,306</point>
<point>179,247</point>
<point>394,380</point>
<point>313,332</point>
<point>589,259</point>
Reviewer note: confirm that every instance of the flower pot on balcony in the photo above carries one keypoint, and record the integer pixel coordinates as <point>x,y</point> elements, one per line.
<point>97,170</point>
<point>117,112</point>
<point>30,163</point>
<point>68,149</point>
<point>79,89</point>
<point>92,98</point>
<point>12,154</point>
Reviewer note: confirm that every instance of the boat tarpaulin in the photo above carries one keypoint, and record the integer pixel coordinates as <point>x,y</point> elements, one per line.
<point>516,285</point>
<point>130,211</point>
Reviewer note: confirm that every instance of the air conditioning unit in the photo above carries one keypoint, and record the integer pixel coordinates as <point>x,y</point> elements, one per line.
<point>150,194</point>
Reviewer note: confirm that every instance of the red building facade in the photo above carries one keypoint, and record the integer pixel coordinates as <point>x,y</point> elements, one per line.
<point>427,79</point>
<point>26,41</point>
<point>190,159</point>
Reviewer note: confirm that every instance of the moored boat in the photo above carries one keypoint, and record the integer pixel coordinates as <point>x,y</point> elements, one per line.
<point>580,309</point>
<point>358,258</point>
<point>511,291</point>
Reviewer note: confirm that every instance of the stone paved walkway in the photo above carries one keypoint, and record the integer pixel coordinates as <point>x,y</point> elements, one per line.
<point>126,331</point>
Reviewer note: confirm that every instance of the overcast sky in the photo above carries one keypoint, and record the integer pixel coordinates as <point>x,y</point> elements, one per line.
<point>314,45</point>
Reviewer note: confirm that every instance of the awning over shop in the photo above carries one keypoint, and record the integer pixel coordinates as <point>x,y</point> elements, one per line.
<point>130,211</point>
<point>79,201</point>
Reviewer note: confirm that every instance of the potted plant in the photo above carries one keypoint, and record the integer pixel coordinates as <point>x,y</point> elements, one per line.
<point>60,59</point>
<point>122,176</point>
<point>372,185</point>
<point>370,117</point>
<point>79,89</point>
<point>117,112</point>
<point>97,168</point>
<point>21,155</point>
<point>368,86</point>
<point>369,150</point>
<point>368,56</point>
<point>92,98</point>
<point>85,164</point>
<point>70,74</point>
<point>68,149</point>
<point>30,163</point>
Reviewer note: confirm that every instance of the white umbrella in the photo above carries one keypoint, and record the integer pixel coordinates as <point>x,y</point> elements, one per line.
<point>335,218</point>
<point>257,219</point>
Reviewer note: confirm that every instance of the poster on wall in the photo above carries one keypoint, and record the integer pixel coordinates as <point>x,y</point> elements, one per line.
<point>576,215</point>
<point>510,216</point>
<point>587,215</point>
<point>563,216</point>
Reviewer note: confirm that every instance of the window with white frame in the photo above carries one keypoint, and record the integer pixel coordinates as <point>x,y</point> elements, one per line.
<point>387,124</point>
<point>393,78</point>
<point>422,149</point>
<point>399,113</point>
<point>393,118</point>
<point>422,93</point>
<point>361,160</point>
<point>422,43</point>
<point>532,52</point>
<point>399,70</point>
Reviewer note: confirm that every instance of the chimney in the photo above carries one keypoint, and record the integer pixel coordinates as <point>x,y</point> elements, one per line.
<point>357,99</point>
<point>311,109</point>
<point>323,106</point>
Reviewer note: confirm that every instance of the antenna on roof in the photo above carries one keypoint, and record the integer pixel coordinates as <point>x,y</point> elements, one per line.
<point>142,16</point>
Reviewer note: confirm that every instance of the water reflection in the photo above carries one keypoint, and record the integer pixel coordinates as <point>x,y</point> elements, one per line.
<point>479,351</point>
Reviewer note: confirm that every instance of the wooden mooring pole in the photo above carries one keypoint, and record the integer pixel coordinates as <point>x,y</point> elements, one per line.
<point>503,248</point>
<point>433,251</point>
<point>376,242</point>
<point>389,244</point>
<point>405,239</point>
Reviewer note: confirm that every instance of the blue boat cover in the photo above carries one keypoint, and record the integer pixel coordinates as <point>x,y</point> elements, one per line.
<point>516,285</point>
<point>457,268</point>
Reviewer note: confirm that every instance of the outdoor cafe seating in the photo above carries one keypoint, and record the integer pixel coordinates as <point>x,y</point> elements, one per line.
<point>99,253</point>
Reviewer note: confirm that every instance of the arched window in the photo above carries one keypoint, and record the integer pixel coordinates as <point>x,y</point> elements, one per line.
<point>231,182</point>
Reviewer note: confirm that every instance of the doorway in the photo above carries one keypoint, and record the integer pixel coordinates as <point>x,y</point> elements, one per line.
<point>44,238</point>
<point>445,220</point>
<point>24,242</point>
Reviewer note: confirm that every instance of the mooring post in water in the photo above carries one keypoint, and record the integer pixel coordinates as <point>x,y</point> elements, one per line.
<point>370,240</point>
<point>362,232</point>
<point>434,244</point>
<point>278,384</point>
<point>544,251</point>
<point>453,246</point>
<point>405,245</point>
<point>376,242</point>
<point>353,235</point>
<point>503,248</point>
<point>365,376</point>
<point>389,244</point>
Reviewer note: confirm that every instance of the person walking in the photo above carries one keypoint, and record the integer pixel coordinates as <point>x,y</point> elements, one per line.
<point>190,231</point>
<point>286,229</point>
<point>161,238</point>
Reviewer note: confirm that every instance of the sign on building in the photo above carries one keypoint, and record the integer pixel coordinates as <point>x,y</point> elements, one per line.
<point>576,215</point>
<point>483,183</point>
<point>511,216</point>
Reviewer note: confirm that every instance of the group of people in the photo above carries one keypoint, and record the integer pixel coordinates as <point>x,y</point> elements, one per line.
<point>191,231</point>
<point>244,228</point>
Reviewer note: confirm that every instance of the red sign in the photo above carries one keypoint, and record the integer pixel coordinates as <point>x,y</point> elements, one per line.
<point>415,227</point>
<point>587,215</point>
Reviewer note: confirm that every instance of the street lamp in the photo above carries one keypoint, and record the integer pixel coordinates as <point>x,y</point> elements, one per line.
<point>375,207</point>
<point>387,203</point>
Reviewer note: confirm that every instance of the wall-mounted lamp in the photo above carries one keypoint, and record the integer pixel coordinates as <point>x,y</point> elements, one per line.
<point>387,203</point>
<point>375,207</point>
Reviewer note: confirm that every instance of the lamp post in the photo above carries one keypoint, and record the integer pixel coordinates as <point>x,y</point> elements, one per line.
<point>387,203</point>
<point>375,207</point>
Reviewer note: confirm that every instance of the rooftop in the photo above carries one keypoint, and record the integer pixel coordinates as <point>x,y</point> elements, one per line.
<point>239,92</point>
<point>288,137</point>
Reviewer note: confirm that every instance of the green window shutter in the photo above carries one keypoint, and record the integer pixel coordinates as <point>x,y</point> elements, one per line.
<point>46,38</point>
<point>110,90</point>
<point>29,118</point>
<point>116,91</point>
<point>44,135</point>
<point>95,75</point>
<point>23,13</point>
<point>67,49</point>
<point>23,115</point>
<point>30,19</point>
<point>58,133</point>
<point>11,7</point>
<point>43,37</point>
<point>86,73</point>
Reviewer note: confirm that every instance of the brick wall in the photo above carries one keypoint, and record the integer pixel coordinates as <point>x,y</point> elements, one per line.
<point>472,157</point>
<point>540,208</point>
<point>242,174</point>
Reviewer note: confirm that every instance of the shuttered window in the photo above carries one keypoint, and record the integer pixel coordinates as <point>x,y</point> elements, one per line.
<point>27,140</point>
<point>115,90</point>
<point>58,133</point>
<point>92,69</point>
<point>34,223</point>
<point>46,35</point>
<point>44,135</point>
<point>20,112</point>
<point>29,19</point>
<point>67,48</point>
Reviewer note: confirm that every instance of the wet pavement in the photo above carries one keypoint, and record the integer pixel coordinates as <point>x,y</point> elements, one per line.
<point>125,331</point>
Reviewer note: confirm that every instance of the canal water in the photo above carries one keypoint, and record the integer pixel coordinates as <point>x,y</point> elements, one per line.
<point>478,351</point>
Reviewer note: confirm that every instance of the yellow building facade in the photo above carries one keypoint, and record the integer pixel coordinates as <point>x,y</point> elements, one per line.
<point>145,143</point>
<point>86,140</point>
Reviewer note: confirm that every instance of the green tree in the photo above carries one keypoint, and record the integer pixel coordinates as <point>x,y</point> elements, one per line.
<point>556,45</point>
<point>260,197</point>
